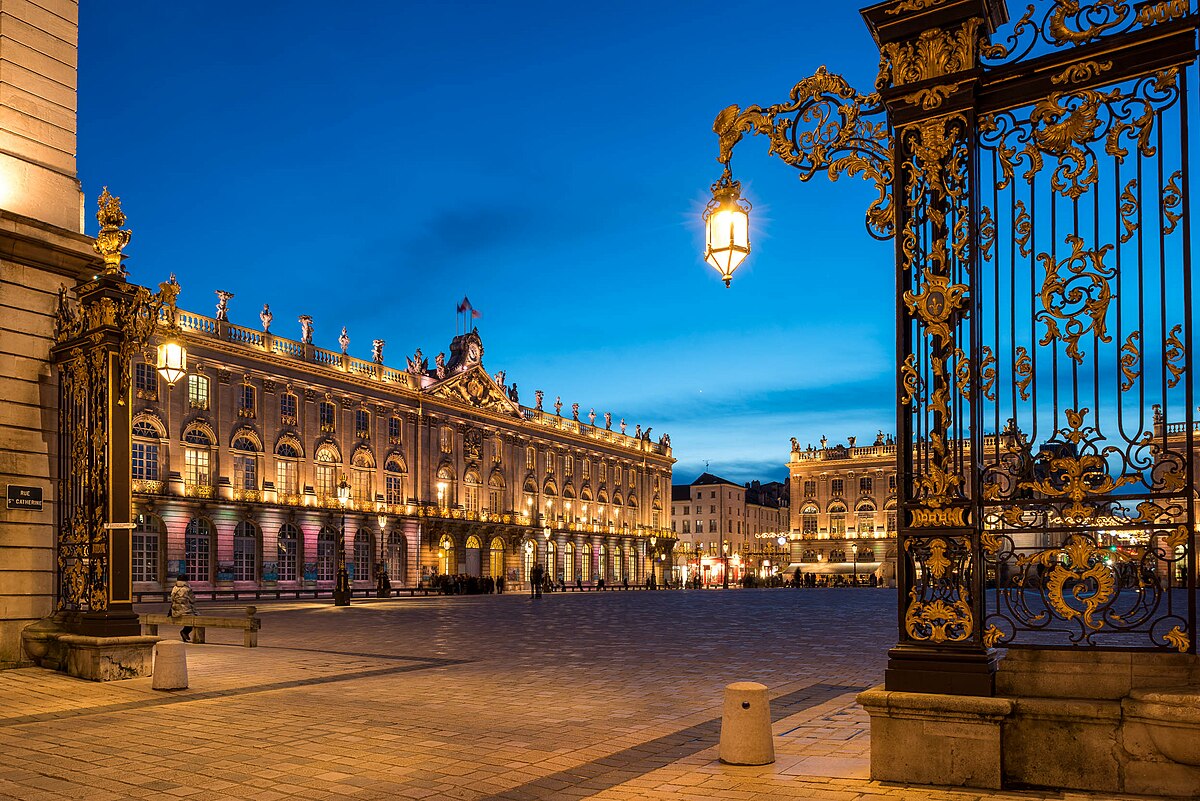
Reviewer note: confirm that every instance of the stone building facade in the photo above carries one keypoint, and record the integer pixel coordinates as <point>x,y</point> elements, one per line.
<point>42,247</point>
<point>236,470</point>
<point>723,524</point>
<point>843,512</point>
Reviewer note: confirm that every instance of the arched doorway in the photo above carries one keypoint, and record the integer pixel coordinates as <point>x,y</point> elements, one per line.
<point>496,561</point>
<point>474,557</point>
<point>395,558</point>
<point>447,564</point>
<point>528,555</point>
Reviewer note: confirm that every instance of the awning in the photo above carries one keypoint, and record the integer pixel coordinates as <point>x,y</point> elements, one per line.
<point>832,568</point>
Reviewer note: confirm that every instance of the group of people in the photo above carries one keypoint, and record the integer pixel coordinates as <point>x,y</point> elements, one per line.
<point>541,581</point>
<point>813,580</point>
<point>463,584</point>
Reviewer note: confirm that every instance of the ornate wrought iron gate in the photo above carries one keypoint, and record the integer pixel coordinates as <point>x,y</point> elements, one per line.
<point>1035,176</point>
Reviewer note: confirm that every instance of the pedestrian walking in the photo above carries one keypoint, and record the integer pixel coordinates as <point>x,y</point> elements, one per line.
<point>183,602</point>
<point>535,581</point>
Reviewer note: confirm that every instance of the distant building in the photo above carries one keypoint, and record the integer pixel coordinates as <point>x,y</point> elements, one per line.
<point>720,522</point>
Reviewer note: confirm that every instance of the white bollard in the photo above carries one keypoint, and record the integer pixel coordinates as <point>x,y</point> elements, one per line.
<point>746,725</point>
<point>170,666</point>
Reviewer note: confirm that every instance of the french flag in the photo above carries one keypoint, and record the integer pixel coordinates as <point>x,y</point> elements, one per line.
<point>466,306</point>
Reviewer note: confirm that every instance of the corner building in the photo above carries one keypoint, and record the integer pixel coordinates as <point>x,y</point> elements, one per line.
<point>236,471</point>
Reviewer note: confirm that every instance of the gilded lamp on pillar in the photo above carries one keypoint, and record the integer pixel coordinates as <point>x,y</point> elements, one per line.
<point>727,226</point>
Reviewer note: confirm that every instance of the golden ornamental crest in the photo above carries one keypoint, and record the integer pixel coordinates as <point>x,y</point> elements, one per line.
<point>111,239</point>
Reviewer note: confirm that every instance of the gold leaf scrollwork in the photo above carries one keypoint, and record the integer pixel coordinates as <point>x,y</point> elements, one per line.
<point>1178,639</point>
<point>910,380</point>
<point>987,374</point>
<point>1082,571</point>
<point>993,636</point>
<point>1131,357</point>
<point>1071,24</point>
<point>1023,367</point>
<point>929,98</point>
<point>1129,208</point>
<point>937,563</point>
<point>912,5</point>
<point>1084,292</point>
<point>1077,478</point>
<point>938,620</point>
<point>962,372</point>
<point>1172,197</point>
<point>1164,11</point>
<point>1023,226</point>
<point>990,542</point>
<point>1081,71</point>
<point>1175,353</point>
<point>987,234</point>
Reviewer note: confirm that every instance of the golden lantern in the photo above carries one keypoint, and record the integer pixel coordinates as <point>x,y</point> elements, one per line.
<point>727,227</point>
<point>172,360</point>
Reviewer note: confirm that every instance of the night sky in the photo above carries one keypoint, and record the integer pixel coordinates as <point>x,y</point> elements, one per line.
<point>370,163</point>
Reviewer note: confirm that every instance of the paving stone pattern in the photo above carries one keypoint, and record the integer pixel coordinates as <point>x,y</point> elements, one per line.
<point>601,695</point>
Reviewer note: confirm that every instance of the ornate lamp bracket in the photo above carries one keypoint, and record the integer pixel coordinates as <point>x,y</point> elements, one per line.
<point>824,126</point>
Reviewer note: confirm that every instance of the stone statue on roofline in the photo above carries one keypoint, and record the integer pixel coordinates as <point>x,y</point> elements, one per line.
<point>417,363</point>
<point>265,317</point>
<point>608,421</point>
<point>306,329</point>
<point>539,396</point>
<point>575,412</point>
<point>377,351</point>
<point>344,341</point>
<point>439,365</point>
<point>223,304</point>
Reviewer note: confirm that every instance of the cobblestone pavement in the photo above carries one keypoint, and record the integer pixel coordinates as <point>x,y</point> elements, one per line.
<point>612,696</point>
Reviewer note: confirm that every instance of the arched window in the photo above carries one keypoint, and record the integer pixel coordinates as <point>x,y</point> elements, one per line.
<point>602,567</point>
<point>471,490</point>
<point>446,486</point>
<point>197,548</point>
<point>288,453</point>
<point>619,564</point>
<point>569,562</point>
<point>147,439</point>
<point>328,460</point>
<point>289,552</point>
<point>395,470</point>
<point>362,475</point>
<point>865,518</point>
<point>528,558</point>
<point>396,558</point>
<point>866,554</point>
<point>447,563</point>
<point>197,457</point>
<point>245,552</point>
<point>364,547</point>
<point>552,560</point>
<point>146,542</point>
<point>808,520</point>
<point>496,492</point>
<point>496,563</point>
<point>245,463</point>
<point>326,554</point>
<point>474,557</point>
<point>632,562</point>
<point>585,562</point>
<point>837,520</point>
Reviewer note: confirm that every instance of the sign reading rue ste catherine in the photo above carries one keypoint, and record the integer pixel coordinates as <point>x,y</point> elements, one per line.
<point>26,498</point>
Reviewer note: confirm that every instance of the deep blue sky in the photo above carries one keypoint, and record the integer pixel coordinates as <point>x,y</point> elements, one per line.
<point>369,163</point>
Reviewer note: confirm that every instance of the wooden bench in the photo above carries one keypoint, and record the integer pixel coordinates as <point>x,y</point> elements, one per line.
<point>249,624</point>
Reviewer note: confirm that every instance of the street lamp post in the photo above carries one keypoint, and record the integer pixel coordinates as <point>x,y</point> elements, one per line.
<point>341,587</point>
<point>854,556</point>
<point>383,587</point>
<point>653,540</point>
<point>724,564</point>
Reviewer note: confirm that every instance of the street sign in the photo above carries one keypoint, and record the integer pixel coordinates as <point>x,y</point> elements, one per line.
<point>28,499</point>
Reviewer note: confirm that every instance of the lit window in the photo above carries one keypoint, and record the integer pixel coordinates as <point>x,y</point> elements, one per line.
<point>362,423</point>
<point>245,552</point>
<point>197,391</point>
<point>145,381</point>
<point>327,417</point>
<point>530,457</point>
<point>394,435</point>
<point>287,409</point>
<point>246,398</point>
<point>865,485</point>
<point>144,543</point>
<point>837,487</point>
<point>810,488</point>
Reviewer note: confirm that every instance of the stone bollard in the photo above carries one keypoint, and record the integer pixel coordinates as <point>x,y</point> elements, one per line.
<point>170,666</point>
<point>746,725</point>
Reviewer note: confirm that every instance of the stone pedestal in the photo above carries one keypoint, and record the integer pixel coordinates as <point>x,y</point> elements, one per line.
<point>108,658</point>
<point>1104,721</point>
<point>923,738</point>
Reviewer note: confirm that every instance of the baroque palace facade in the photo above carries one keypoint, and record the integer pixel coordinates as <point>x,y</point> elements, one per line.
<point>236,470</point>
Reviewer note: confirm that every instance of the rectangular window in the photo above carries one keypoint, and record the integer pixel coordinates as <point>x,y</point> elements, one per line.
<point>195,462</point>
<point>891,522</point>
<point>865,485</point>
<point>360,486</point>
<point>197,392</point>
<point>362,423</point>
<point>892,483</point>
<point>530,457</point>
<point>568,465</point>
<point>326,481</point>
<point>244,568</point>
<point>145,461</point>
<point>145,381</point>
<point>603,472</point>
<point>687,529</point>
<point>327,417</point>
<point>287,409</point>
<point>394,486</point>
<point>246,400</point>
<point>687,510</point>
<point>810,488</point>
<point>394,435</point>
<point>699,526</point>
<point>472,499</point>
<point>447,442</point>
<point>617,475</point>
<point>808,524</point>
<point>245,472</point>
<point>837,487</point>
<point>144,545</point>
<point>287,477</point>
<point>495,499</point>
<point>549,462</point>
<point>587,469</point>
